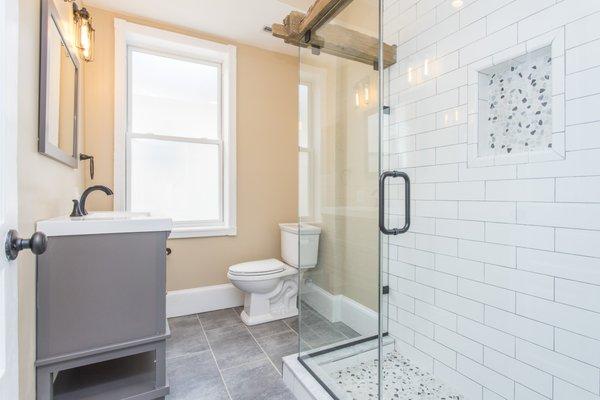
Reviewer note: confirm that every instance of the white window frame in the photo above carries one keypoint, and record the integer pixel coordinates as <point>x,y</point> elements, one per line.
<point>309,151</point>
<point>316,79</point>
<point>133,37</point>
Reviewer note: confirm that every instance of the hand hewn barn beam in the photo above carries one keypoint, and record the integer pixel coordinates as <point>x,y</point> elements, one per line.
<point>313,30</point>
<point>321,12</point>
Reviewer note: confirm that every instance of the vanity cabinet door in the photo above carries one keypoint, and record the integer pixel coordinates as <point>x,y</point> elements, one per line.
<point>97,291</point>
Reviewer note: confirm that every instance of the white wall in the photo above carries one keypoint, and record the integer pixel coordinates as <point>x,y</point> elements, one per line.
<point>496,288</point>
<point>46,186</point>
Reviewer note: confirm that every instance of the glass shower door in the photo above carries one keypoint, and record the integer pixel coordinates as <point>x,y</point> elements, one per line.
<point>339,159</point>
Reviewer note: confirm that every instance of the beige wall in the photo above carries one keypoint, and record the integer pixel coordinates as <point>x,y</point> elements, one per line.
<point>267,125</point>
<point>46,187</point>
<point>348,175</point>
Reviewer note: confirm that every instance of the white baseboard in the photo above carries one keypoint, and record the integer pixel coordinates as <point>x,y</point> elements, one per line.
<point>341,308</point>
<point>333,307</point>
<point>358,317</point>
<point>203,299</point>
<point>325,303</point>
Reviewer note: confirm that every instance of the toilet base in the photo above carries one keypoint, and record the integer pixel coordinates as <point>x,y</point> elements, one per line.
<point>264,318</point>
<point>279,303</point>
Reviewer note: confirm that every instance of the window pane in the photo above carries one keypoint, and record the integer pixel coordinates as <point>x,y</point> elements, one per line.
<point>176,179</point>
<point>174,97</point>
<point>304,184</point>
<point>303,124</point>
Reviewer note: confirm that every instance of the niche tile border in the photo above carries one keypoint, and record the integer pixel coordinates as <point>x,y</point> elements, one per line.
<point>555,43</point>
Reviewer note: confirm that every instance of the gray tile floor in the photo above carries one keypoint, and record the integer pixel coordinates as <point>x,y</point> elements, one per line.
<point>215,356</point>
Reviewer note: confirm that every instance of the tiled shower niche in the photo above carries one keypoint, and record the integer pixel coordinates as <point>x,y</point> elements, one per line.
<point>515,105</point>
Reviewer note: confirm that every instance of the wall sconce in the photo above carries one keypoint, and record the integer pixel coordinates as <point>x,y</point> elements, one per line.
<point>84,32</point>
<point>366,93</point>
<point>362,94</point>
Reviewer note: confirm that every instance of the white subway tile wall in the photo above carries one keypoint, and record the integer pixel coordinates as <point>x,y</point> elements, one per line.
<point>496,288</point>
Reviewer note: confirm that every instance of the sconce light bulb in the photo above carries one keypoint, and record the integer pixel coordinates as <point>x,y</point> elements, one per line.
<point>366,93</point>
<point>457,3</point>
<point>410,77</point>
<point>84,34</point>
<point>426,67</point>
<point>356,98</point>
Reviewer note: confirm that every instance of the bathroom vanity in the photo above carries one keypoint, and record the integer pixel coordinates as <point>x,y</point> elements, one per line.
<point>101,318</point>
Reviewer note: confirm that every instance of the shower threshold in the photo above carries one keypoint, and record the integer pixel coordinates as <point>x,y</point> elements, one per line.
<point>350,372</point>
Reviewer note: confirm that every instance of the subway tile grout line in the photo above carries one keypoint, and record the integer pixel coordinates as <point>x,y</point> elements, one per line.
<point>214,358</point>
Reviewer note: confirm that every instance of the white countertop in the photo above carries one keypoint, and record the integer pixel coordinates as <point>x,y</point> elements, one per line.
<point>97,223</point>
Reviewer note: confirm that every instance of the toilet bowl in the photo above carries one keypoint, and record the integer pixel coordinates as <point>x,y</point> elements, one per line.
<point>270,286</point>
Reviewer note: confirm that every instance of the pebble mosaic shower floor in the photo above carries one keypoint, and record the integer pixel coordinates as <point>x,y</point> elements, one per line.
<point>401,381</point>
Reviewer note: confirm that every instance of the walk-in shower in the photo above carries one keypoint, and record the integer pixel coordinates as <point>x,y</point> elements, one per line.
<point>490,112</point>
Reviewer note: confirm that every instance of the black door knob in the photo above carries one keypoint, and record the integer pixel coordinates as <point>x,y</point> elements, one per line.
<point>13,245</point>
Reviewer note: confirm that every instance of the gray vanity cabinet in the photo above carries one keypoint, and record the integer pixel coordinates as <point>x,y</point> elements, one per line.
<point>101,320</point>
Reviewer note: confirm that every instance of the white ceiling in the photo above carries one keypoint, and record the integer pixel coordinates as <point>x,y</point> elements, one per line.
<point>240,20</point>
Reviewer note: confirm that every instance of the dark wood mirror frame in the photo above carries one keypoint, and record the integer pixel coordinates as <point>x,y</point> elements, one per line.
<point>50,15</point>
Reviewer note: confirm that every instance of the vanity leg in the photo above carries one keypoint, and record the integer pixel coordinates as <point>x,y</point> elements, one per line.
<point>44,384</point>
<point>161,364</point>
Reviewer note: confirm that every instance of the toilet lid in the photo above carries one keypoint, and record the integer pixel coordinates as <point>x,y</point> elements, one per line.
<point>260,267</point>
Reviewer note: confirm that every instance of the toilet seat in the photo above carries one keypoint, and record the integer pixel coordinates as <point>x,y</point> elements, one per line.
<point>257,268</point>
<point>248,273</point>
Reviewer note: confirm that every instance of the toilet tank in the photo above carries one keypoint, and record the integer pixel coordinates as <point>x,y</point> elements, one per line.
<point>309,244</point>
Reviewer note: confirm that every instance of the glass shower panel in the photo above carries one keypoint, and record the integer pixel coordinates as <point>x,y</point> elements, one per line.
<point>493,114</point>
<point>339,159</point>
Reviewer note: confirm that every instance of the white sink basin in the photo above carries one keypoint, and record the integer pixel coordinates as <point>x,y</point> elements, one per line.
<point>105,222</point>
<point>116,215</point>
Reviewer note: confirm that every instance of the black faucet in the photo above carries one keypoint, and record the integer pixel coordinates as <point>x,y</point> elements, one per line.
<point>79,206</point>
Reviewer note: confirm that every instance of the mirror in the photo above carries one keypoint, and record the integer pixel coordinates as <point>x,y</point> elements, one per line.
<point>59,74</point>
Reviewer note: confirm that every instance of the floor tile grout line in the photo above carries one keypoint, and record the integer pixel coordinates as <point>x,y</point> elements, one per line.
<point>193,353</point>
<point>288,325</point>
<point>243,364</point>
<point>214,358</point>
<point>276,333</point>
<point>263,350</point>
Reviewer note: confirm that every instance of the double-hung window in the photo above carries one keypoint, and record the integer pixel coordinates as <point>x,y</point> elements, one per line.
<point>310,119</point>
<point>175,151</point>
<point>306,203</point>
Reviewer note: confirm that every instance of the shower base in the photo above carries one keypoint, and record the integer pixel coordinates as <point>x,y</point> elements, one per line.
<point>351,373</point>
<point>401,380</point>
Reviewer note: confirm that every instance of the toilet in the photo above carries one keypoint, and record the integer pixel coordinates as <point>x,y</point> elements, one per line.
<point>271,286</point>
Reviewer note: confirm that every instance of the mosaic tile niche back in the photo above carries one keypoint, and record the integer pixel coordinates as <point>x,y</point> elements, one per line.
<point>515,107</point>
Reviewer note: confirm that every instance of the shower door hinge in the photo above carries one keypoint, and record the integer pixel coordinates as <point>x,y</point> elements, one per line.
<point>386,110</point>
<point>386,289</point>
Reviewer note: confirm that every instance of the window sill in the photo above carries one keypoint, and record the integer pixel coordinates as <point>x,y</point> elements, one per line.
<point>201,231</point>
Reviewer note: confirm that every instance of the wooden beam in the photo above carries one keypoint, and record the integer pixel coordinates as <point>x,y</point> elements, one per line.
<point>321,12</point>
<point>353,45</point>
<point>331,39</point>
<point>292,24</point>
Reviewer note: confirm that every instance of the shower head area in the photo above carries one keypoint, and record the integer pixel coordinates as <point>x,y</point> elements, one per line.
<point>454,192</point>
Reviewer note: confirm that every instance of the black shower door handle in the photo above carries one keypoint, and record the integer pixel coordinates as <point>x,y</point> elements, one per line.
<point>382,178</point>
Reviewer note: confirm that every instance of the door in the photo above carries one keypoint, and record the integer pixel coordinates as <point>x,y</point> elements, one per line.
<point>8,197</point>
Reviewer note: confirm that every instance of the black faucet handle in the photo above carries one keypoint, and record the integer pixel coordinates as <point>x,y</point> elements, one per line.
<point>76,210</point>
